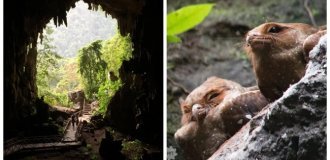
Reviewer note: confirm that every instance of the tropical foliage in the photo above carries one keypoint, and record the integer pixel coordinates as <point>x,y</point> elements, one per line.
<point>184,19</point>
<point>91,67</point>
<point>97,60</point>
<point>90,71</point>
<point>114,52</point>
<point>55,75</point>
<point>133,149</point>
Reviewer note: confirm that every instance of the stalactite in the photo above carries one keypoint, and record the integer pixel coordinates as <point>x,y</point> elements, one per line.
<point>55,20</point>
<point>95,7</point>
<point>65,21</point>
<point>41,36</point>
<point>89,6</point>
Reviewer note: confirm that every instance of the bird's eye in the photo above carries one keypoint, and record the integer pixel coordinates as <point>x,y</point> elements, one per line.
<point>274,29</point>
<point>213,95</point>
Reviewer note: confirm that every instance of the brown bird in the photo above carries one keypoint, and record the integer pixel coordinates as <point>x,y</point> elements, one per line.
<point>277,55</point>
<point>311,41</point>
<point>212,113</point>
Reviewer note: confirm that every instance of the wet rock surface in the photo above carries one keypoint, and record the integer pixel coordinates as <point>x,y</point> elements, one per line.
<point>78,98</point>
<point>292,127</point>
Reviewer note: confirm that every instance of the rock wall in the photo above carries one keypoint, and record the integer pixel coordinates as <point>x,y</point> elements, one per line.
<point>137,107</point>
<point>293,127</point>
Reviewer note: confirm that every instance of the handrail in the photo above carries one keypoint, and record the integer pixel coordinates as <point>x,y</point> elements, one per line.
<point>34,139</point>
<point>79,127</point>
<point>67,125</point>
<point>17,143</point>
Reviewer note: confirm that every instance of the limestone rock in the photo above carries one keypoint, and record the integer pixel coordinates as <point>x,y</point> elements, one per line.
<point>292,127</point>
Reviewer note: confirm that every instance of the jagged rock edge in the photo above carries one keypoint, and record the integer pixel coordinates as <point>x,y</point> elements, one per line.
<point>244,144</point>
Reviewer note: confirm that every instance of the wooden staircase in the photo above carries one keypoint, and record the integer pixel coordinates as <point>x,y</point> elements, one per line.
<point>86,113</point>
<point>87,109</point>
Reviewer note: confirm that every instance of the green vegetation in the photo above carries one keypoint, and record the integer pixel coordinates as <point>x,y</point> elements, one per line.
<point>97,60</point>
<point>94,157</point>
<point>115,135</point>
<point>132,149</point>
<point>184,19</point>
<point>115,51</point>
<point>91,67</point>
<point>55,75</point>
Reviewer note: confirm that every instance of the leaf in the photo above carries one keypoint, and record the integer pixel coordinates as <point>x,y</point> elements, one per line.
<point>186,18</point>
<point>173,39</point>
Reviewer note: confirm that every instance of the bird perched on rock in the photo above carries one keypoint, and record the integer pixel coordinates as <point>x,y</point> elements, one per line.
<point>277,53</point>
<point>212,113</point>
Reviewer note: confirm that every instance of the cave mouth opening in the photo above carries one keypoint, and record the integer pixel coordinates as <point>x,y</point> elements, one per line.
<point>61,74</point>
<point>83,55</point>
<point>134,108</point>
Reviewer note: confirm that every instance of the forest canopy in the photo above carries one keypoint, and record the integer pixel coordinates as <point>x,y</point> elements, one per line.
<point>80,57</point>
<point>90,71</point>
<point>102,59</point>
<point>55,75</point>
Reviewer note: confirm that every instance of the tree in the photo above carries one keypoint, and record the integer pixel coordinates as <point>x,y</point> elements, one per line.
<point>47,64</point>
<point>92,67</point>
<point>56,76</point>
<point>116,50</point>
<point>96,60</point>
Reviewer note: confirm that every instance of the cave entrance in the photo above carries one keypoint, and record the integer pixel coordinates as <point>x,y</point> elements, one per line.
<point>83,56</point>
<point>134,110</point>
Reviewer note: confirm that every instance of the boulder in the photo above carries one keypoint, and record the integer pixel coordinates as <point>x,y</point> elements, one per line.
<point>292,127</point>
